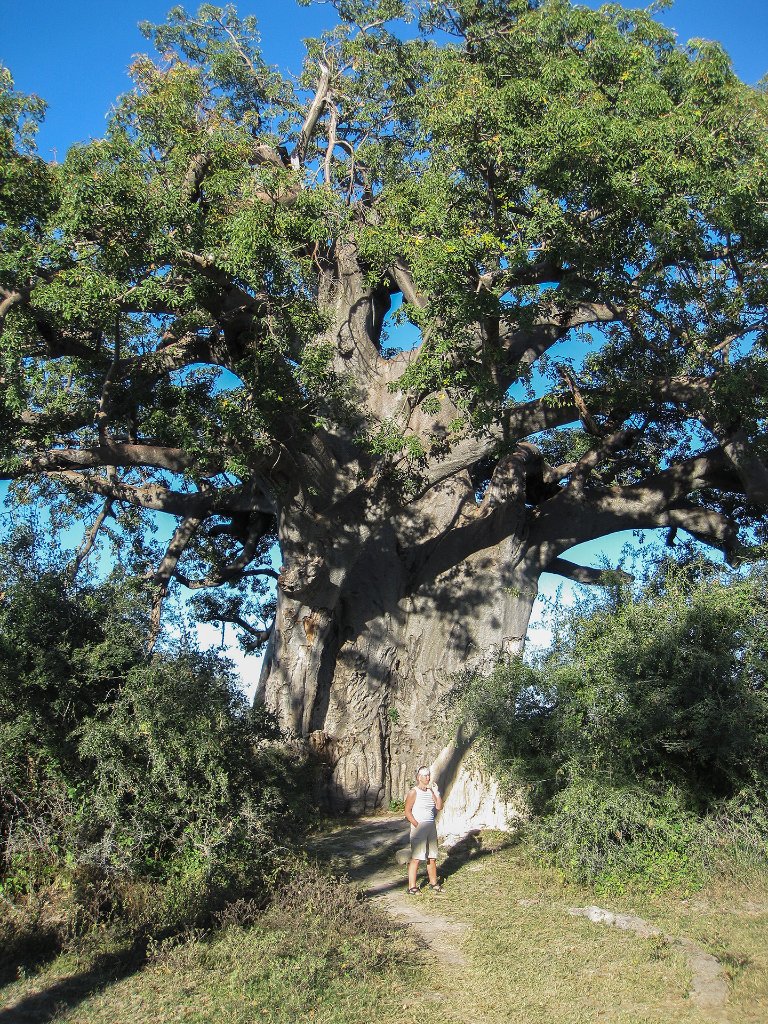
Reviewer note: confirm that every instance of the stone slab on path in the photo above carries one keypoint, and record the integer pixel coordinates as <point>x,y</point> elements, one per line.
<point>709,984</point>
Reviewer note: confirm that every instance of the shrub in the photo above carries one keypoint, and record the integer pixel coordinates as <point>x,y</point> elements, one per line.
<point>342,924</point>
<point>143,789</point>
<point>614,838</point>
<point>735,834</point>
<point>648,715</point>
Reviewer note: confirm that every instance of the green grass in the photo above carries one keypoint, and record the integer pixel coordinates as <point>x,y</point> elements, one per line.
<point>533,963</point>
<point>319,955</point>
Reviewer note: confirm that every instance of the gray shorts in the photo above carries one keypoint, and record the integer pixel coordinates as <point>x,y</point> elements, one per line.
<point>424,841</point>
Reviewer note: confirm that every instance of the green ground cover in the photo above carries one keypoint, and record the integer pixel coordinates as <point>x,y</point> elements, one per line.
<point>319,954</point>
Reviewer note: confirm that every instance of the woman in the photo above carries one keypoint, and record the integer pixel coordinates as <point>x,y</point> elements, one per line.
<point>420,806</point>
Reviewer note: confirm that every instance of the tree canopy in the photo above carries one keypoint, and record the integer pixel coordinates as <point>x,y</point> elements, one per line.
<point>193,308</point>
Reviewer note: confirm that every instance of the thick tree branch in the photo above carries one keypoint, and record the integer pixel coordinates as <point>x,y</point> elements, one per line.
<point>111,453</point>
<point>524,347</point>
<point>158,498</point>
<point>578,400</point>
<point>750,468</point>
<point>571,517</point>
<point>516,422</point>
<point>586,574</point>
<point>208,268</point>
<point>706,525</point>
<point>59,423</point>
<point>193,179</point>
<point>260,636</point>
<point>169,356</point>
<point>403,279</point>
<point>11,299</point>
<point>609,444</point>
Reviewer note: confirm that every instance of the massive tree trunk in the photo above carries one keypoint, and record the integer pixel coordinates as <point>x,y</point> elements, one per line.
<point>368,681</point>
<point>386,597</point>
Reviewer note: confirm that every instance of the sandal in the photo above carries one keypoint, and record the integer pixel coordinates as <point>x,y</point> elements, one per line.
<point>436,887</point>
<point>414,891</point>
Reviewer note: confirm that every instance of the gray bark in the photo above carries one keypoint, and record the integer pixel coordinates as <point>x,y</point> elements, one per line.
<point>367,683</point>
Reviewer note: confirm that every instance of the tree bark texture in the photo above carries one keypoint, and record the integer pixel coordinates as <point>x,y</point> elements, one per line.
<point>367,683</point>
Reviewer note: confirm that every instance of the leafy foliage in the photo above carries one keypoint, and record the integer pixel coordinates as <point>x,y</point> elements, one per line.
<point>519,158</point>
<point>118,767</point>
<point>649,711</point>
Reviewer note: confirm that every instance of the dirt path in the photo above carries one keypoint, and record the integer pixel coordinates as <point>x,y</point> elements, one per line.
<point>366,851</point>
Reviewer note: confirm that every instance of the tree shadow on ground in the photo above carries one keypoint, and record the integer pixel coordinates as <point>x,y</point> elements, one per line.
<point>106,969</point>
<point>27,951</point>
<point>473,848</point>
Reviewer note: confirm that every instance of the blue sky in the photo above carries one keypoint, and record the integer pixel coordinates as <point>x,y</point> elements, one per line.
<point>75,53</point>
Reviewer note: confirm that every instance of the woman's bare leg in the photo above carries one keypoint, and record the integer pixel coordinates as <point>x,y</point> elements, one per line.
<point>413,868</point>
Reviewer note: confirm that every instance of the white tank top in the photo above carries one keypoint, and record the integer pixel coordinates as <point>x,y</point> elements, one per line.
<point>423,805</point>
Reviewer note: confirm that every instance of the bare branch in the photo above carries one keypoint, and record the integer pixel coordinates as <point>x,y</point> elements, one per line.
<point>332,128</point>
<point>164,572</point>
<point>236,569</point>
<point>578,400</point>
<point>313,116</point>
<point>89,540</point>
<point>229,574</point>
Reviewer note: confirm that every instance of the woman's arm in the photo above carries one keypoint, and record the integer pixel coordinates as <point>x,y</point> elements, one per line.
<point>436,797</point>
<point>409,802</point>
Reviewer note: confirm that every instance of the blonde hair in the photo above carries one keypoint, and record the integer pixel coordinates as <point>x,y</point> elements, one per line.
<point>423,770</point>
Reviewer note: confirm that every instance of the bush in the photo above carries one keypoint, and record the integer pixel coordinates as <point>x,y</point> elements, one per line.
<point>614,838</point>
<point>735,834</point>
<point>132,788</point>
<point>339,922</point>
<point>648,715</point>
<point>668,685</point>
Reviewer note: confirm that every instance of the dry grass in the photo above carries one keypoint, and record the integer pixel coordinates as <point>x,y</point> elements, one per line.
<point>533,963</point>
<point>319,956</point>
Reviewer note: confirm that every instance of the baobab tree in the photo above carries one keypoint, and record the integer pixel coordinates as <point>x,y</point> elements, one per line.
<point>571,209</point>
